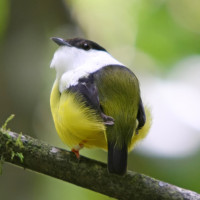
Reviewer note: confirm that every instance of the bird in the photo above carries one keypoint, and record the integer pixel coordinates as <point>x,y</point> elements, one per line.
<point>96,102</point>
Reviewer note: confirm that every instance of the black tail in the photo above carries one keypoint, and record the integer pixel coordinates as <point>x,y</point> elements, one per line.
<point>117,159</point>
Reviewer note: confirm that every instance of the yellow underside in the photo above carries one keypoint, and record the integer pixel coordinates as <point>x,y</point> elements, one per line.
<point>77,124</point>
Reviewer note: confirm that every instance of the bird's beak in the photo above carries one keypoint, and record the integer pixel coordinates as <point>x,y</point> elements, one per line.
<point>60,41</point>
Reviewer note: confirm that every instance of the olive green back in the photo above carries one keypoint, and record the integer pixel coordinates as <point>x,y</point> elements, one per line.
<point>119,97</point>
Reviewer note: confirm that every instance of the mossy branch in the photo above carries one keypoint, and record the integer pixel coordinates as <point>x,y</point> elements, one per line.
<point>38,156</point>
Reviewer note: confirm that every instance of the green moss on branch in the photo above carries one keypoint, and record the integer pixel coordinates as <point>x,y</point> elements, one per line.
<point>58,163</point>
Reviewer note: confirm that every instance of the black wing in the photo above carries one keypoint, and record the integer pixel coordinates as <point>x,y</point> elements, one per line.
<point>141,117</point>
<point>87,88</point>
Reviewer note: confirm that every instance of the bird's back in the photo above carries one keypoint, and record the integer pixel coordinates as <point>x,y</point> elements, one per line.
<point>119,97</point>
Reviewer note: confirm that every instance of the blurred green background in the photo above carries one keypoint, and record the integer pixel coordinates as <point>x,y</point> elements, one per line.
<point>158,39</point>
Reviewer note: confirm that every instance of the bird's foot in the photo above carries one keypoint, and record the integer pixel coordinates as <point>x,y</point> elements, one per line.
<point>107,119</point>
<point>76,150</point>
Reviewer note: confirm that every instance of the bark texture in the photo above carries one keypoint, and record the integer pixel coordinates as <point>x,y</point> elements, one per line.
<point>41,157</point>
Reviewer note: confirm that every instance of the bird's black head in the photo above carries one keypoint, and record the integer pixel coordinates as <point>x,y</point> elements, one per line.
<point>78,43</point>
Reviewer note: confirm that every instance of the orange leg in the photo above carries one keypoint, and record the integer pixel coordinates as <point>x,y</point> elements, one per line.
<point>76,150</point>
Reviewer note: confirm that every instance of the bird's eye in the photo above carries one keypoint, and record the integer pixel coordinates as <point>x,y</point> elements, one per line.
<point>86,46</point>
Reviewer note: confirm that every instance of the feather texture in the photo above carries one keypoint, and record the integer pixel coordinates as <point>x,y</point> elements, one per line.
<point>95,102</point>
<point>75,122</point>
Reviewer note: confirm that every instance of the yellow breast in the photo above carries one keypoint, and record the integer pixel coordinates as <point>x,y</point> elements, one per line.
<point>75,123</point>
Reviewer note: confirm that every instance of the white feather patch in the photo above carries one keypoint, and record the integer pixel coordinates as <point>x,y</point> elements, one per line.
<point>72,63</point>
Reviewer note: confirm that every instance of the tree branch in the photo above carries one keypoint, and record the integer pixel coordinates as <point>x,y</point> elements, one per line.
<point>33,154</point>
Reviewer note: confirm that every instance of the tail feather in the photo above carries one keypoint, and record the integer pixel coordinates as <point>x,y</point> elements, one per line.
<point>117,159</point>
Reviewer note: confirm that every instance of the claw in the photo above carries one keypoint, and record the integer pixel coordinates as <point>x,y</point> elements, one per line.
<point>76,150</point>
<point>109,123</point>
<point>107,119</point>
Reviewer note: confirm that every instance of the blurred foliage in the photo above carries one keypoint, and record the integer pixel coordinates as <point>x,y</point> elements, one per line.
<point>149,34</point>
<point>4,14</point>
<point>160,36</point>
<point>147,25</point>
<point>112,23</point>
